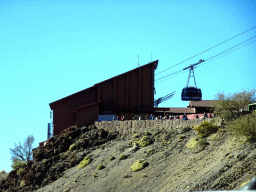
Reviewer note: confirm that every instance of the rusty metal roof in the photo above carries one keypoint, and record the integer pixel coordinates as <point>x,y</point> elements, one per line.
<point>208,103</point>
<point>203,103</point>
<point>62,99</point>
<point>153,62</point>
<point>175,110</point>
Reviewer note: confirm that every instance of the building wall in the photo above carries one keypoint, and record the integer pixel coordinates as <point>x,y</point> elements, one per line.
<point>87,116</point>
<point>64,114</point>
<point>130,91</point>
<point>63,117</point>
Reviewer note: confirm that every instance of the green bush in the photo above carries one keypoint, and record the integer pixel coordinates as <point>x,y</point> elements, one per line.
<point>147,133</point>
<point>112,158</point>
<point>143,142</point>
<point>22,183</point>
<point>99,167</point>
<point>72,147</point>
<point>138,165</point>
<point>86,161</point>
<point>122,157</point>
<point>19,164</point>
<point>197,144</point>
<point>20,171</point>
<point>244,126</point>
<point>206,129</point>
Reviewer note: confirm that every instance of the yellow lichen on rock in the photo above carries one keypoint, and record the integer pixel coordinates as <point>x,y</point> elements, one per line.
<point>138,165</point>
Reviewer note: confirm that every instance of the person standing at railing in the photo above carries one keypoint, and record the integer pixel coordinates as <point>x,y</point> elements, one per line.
<point>205,115</point>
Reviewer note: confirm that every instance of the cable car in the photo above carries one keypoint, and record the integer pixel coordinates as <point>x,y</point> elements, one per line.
<point>191,93</point>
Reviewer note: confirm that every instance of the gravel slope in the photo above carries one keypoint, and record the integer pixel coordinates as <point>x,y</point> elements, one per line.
<point>224,164</point>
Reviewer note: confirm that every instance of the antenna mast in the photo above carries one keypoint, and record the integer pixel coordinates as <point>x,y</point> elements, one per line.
<point>138,62</point>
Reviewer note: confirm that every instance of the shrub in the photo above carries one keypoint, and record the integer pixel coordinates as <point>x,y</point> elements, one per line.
<point>19,164</point>
<point>197,144</point>
<point>206,129</point>
<point>147,133</point>
<point>244,126</point>
<point>112,158</point>
<point>122,157</point>
<point>144,175</point>
<point>44,160</point>
<point>143,142</point>
<point>86,161</point>
<point>22,183</point>
<point>20,171</point>
<point>72,147</point>
<point>3,171</point>
<point>212,121</point>
<point>99,167</point>
<point>138,165</point>
<point>135,135</point>
<point>181,137</point>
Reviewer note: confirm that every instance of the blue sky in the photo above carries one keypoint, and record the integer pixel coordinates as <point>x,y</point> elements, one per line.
<point>53,48</point>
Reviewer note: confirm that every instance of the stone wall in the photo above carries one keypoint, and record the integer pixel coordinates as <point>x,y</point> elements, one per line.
<point>131,126</point>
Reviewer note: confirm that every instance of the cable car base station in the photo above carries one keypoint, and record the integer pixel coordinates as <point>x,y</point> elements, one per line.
<point>129,94</point>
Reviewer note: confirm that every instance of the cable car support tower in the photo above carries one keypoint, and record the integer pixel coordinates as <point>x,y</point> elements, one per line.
<point>191,93</point>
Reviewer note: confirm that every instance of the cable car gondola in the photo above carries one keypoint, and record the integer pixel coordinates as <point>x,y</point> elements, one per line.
<point>191,93</point>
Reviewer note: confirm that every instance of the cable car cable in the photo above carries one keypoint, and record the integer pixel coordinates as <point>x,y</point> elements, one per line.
<point>207,50</point>
<point>228,51</point>
<point>182,71</point>
<point>225,53</point>
<point>213,56</point>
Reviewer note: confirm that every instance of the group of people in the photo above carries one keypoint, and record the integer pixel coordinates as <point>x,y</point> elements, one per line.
<point>153,117</point>
<point>120,118</point>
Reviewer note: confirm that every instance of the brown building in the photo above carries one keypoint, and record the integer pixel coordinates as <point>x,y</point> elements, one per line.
<point>129,93</point>
<point>202,106</point>
<point>207,106</point>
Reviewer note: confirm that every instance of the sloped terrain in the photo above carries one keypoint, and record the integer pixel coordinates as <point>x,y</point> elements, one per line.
<point>175,161</point>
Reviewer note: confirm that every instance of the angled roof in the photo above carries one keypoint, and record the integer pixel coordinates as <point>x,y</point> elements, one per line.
<point>153,62</point>
<point>62,99</point>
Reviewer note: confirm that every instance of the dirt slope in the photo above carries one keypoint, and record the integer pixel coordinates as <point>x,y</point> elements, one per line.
<point>224,164</point>
<point>221,162</point>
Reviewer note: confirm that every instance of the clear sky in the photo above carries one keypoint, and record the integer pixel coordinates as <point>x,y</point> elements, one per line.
<point>53,48</point>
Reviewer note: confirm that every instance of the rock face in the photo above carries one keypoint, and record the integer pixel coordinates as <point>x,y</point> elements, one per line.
<point>50,161</point>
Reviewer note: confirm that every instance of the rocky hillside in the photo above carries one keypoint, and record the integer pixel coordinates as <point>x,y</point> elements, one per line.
<point>90,159</point>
